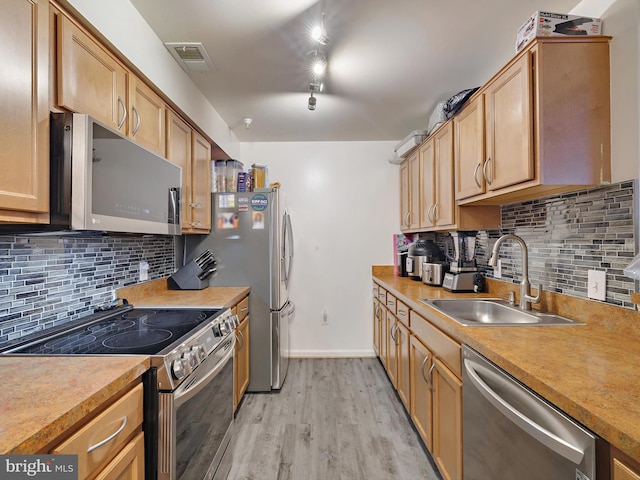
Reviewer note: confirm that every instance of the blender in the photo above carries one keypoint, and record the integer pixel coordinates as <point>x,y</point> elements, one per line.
<point>463,275</point>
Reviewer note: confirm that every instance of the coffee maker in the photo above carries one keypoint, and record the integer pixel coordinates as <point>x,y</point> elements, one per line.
<point>463,275</point>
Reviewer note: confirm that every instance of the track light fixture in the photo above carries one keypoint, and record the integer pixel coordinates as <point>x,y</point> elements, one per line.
<point>312,102</point>
<point>317,64</point>
<point>319,33</point>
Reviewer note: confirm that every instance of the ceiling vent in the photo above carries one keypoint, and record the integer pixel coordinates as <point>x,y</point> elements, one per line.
<point>191,56</point>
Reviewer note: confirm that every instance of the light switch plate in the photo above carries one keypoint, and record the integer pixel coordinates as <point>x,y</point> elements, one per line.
<point>597,284</point>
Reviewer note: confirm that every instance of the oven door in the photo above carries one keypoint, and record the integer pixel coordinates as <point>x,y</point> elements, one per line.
<point>195,421</point>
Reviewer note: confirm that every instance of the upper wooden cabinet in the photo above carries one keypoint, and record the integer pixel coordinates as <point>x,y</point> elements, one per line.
<point>24,119</point>
<point>147,112</point>
<point>410,193</point>
<point>546,126</point>
<point>92,80</point>
<point>436,163</point>
<point>189,150</point>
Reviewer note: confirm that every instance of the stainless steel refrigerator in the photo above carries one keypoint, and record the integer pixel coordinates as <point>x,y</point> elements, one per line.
<point>252,241</point>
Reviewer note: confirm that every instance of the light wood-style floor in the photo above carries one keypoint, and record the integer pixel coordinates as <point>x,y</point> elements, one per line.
<point>334,419</point>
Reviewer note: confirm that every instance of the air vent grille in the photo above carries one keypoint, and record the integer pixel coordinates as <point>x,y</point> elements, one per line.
<point>191,56</point>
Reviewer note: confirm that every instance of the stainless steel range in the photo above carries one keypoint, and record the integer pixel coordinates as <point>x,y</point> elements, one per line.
<point>188,390</point>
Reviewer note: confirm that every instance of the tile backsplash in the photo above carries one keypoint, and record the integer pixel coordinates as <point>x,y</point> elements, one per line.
<point>566,236</point>
<point>49,280</point>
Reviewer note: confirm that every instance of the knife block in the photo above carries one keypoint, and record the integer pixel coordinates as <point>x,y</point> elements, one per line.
<point>186,278</point>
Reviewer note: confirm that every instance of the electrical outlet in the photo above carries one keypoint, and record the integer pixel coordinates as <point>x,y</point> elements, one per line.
<point>325,317</point>
<point>497,270</point>
<point>597,284</point>
<point>144,271</point>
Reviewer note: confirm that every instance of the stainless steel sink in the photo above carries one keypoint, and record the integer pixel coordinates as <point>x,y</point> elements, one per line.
<point>493,311</point>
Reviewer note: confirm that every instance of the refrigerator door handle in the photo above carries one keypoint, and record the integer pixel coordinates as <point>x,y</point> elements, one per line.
<point>287,235</point>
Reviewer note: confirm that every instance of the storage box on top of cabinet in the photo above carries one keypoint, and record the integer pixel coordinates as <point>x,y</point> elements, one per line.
<point>541,125</point>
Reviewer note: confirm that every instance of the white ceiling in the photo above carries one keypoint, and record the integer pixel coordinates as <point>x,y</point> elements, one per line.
<point>390,62</point>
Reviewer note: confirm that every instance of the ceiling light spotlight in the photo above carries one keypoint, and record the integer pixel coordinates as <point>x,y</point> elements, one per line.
<point>312,102</point>
<point>317,64</point>
<point>319,33</point>
<point>316,87</point>
<point>247,122</point>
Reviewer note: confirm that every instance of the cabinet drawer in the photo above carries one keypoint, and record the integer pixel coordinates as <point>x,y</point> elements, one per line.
<point>443,347</point>
<point>243,308</point>
<point>391,303</point>
<point>114,426</point>
<point>402,312</point>
<point>382,295</point>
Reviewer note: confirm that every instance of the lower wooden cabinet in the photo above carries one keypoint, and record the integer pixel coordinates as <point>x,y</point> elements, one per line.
<point>447,421</point>
<point>111,446</point>
<point>623,467</point>
<point>402,354</point>
<point>241,352</point>
<point>377,326</point>
<point>420,362</point>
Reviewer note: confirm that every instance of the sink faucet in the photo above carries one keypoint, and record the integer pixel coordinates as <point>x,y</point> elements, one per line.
<point>525,286</point>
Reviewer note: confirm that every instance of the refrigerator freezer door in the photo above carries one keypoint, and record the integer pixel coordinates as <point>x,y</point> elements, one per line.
<point>280,349</point>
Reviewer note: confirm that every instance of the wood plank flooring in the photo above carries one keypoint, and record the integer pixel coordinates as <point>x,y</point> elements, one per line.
<point>334,419</point>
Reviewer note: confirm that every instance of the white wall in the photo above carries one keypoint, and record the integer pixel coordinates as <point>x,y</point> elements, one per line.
<point>343,198</point>
<point>621,20</point>
<point>116,20</point>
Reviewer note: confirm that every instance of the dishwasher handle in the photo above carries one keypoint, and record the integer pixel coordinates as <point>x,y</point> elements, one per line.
<point>541,434</point>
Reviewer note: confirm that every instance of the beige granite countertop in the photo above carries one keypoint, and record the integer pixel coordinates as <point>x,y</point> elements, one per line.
<point>42,398</point>
<point>589,371</point>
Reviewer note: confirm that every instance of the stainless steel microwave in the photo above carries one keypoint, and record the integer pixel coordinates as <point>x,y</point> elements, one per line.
<point>103,181</point>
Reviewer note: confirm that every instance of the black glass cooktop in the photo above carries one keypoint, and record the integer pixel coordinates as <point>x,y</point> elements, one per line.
<point>142,331</point>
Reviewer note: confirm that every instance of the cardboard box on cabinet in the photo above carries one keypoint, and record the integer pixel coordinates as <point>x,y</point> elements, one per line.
<point>542,24</point>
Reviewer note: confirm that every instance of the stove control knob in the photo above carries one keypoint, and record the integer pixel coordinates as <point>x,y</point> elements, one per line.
<point>199,352</point>
<point>217,331</point>
<point>234,321</point>
<point>224,328</point>
<point>178,368</point>
<point>190,358</point>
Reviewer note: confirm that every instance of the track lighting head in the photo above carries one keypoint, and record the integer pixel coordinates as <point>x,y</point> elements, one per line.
<point>312,102</point>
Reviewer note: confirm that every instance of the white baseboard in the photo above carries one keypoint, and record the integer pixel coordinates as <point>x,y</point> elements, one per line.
<point>332,354</point>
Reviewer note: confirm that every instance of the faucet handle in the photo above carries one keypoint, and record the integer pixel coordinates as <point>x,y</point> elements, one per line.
<point>538,296</point>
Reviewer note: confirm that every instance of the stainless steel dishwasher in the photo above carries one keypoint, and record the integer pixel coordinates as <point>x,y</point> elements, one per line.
<point>509,432</point>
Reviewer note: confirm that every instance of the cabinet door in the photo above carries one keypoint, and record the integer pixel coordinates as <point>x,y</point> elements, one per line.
<point>24,119</point>
<point>620,471</point>
<point>469,149</point>
<point>509,127</point>
<point>405,196</point>
<point>241,362</point>
<point>90,80</point>
<point>403,378</point>
<point>392,351</point>
<point>179,153</point>
<point>427,183</point>
<point>447,422</point>
<point>410,193</point>
<point>385,337</point>
<point>128,464</point>
<point>420,361</point>
<point>377,326</point>
<point>201,183</point>
<point>147,112</point>
<point>444,211</point>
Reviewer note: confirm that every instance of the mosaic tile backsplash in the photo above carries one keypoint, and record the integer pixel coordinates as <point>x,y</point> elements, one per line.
<point>566,236</point>
<point>49,280</point>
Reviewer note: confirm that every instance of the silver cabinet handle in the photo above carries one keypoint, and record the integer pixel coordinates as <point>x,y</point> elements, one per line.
<point>244,309</point>
<point>124,113</point>
<point>377,312</point>
<point>391,333</point>
<point>484,171</point>
<point>403,313</point>
<point>109,438</point>
<point>430,377</point>
<point>538,432</point>
<point>475,175</point>
<point>436,207</point>
<point>429,214</point>
<point>424,363</point>
<point>396,340</point>
<point>137,127</point>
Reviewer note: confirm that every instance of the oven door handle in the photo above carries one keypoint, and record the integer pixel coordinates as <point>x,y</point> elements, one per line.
<point>190,390</point>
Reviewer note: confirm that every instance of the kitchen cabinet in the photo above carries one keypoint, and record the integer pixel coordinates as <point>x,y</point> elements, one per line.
<point>436,165</point>
<point>623,467</point>
<point>377,326</point>
<point>91,80</point>
<point>111,445</point>
<point>24,120</point>
<point>189,150</point>
<point>546,126</point>
<point>410,199</point>
<point>421,362</point>
<point>241,352</point>
<point>391,324</point>
<point>147,112</point>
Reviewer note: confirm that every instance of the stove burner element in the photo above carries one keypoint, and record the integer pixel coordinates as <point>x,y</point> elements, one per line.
<point>137,338</point>
<point>170,319</point>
